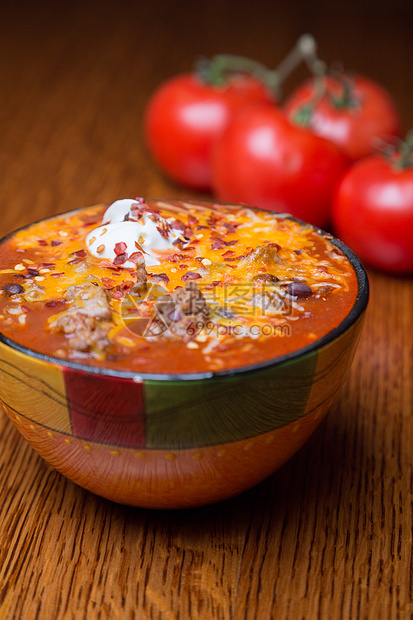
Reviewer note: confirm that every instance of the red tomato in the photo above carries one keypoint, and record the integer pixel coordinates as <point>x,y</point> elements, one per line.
<point>184,118</point>
<point>350,111</point>
<point>373,213</point>
<point>263,160</point>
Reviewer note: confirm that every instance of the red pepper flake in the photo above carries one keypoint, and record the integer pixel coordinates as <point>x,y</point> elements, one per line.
<point>212,285</point>
<point>55,242</point>
<point>117,295</point>
<point>243,255</point>
<point>213,219</point>
<point>175,258</point>
<point>106,263</point>
<point>224,243</point>
<point>199,259</point>
<point>51,304</point>
<point>79,253</point>
<point>188,249</point>
<point>32,272</point>
<point>120,259</point>
<point>114,269</point>
<point>217,245</point>
<point>162,230</point>
<point>221,241</point>
<point>138,209</point>
<point>120,248</point>
<point>57,275</point>
<point>231,228</point>
<point>178,225</point>
<point>162,277</point>
<point>25,309</point>
<point>136,257</point>
<point>190,275</point>
<point>192,221</point>
<point>183,266</point>
<point>228,253</point>
<point>139,248</point>
<point>124,287</point>
<point>75,261</point>
<point>127,284</point>
<point>48,265</point>
<point>42,242</point>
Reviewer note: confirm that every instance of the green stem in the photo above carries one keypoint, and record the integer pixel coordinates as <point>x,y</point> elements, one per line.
<point>405,154</point>
<point>217,70</point>
<point>347,100</point>
<point>399,155</point>
<point>308,47</point>
<point>304,114</point>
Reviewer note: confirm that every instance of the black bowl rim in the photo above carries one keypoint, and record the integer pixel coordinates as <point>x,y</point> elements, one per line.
<point>357,310</point>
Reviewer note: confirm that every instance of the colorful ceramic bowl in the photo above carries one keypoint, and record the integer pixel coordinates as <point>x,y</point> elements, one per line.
<point>176,441</point>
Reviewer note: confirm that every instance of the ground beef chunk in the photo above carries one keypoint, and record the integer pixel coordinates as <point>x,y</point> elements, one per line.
<point>264,256</point>
<point>165,308</point>
<point>72,322</point>
<point>183,312</point>
<point>86,322</point>
<point>90,299</point>
<point>190,299</point>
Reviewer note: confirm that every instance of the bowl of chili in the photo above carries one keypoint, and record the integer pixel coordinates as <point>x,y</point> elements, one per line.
<point>170,353</point>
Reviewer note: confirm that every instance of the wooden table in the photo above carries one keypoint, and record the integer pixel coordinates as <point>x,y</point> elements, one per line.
<point>329,535</point>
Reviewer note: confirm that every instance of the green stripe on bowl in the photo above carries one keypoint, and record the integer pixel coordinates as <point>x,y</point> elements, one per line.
<point>186,414</point>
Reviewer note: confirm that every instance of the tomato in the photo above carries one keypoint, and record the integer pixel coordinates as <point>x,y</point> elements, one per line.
<point>186,115</point>
<point>350,111</point>
<point>373,212</point>
<point>263,160</point>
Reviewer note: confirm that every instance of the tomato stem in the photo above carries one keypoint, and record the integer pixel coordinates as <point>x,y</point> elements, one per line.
<point>347,100</point>
<point>344,101</point>
<point>405,155</point>
<point>217,70</point>
<point>400,155</point>
<point>304,113</point>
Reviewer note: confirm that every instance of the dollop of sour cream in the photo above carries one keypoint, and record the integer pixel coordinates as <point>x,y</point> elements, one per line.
<point>126,221</point>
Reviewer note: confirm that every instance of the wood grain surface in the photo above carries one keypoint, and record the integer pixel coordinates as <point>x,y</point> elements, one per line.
<point>329,536</point>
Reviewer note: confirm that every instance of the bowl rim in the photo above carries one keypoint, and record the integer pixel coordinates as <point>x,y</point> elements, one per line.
<point>355,313</point>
